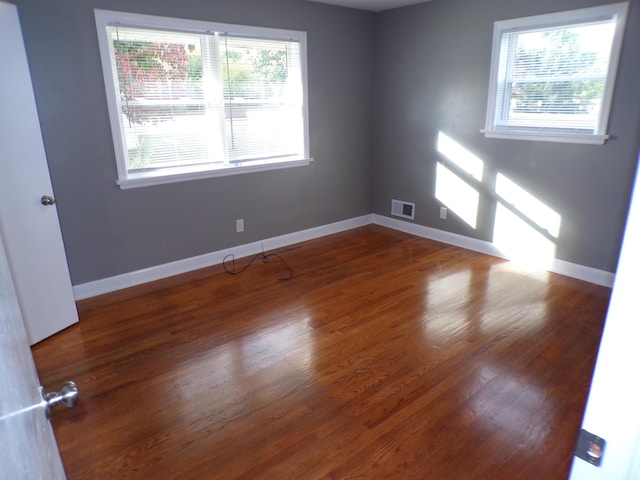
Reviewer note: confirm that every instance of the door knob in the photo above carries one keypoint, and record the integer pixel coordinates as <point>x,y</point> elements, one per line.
<point>47,200</point>
<point>68,396</point>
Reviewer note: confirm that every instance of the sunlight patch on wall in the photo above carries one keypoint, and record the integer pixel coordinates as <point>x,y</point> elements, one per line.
<point>459,155</point>
<point>460,197</point>
<point>542,215</point>
<point>526,229</point>
<point>451,188</point>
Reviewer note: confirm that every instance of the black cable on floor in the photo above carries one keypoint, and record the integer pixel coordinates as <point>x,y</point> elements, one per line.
<point>265,259</point>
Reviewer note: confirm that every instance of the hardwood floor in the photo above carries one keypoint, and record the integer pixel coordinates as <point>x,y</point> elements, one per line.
<point>387,356</point>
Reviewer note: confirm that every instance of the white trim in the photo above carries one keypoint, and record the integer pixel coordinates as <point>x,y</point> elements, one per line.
<point>574,270</point>
<point>221,172</point>
<point>158,272</point>
<point>568,17</point>
<point>587,139</point>
<point>187,25</point>
<point>127,179</point>
<point>616,12</point>
<point>581,272</point>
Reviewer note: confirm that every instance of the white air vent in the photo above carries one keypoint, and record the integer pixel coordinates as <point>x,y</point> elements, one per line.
<point>402,209</point>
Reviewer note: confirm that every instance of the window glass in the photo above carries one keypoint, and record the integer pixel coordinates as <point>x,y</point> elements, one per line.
<point>553,75</point>
<point>188,99</point>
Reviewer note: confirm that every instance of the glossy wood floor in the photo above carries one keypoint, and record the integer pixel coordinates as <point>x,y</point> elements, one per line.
<point>386,357</point>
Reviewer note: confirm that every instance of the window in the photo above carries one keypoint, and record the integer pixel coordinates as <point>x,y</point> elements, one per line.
<point>552,76</point>
<point>190,99</point>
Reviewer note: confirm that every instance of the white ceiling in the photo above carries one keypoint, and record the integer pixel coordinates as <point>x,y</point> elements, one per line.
<point>373,5</point>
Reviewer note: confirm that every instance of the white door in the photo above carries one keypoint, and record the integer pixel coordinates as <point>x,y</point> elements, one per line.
<point>31,230</point>
<point>28,449</point>
<point>613,408</point>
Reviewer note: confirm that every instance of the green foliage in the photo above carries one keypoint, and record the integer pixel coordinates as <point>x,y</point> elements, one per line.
<point>253,73</point>
<point>194,67</point>
<point>554,61</point>
<point>270,66</point>
<point>140,157</point>
<point>151,74</point>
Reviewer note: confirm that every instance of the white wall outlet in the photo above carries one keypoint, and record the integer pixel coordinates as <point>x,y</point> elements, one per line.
<point>240,225</point>
<point>443,213</point>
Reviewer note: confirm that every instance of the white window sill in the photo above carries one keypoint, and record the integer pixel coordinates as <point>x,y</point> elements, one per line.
<point>587,139</point>
<point>181,175</point>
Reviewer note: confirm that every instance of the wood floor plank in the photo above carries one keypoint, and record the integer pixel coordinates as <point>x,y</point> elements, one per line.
<point>385,356</point>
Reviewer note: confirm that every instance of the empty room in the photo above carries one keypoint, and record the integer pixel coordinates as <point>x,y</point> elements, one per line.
<point>295,239</point>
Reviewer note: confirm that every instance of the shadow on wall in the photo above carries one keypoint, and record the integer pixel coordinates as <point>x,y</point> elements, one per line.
<point>524,228</point>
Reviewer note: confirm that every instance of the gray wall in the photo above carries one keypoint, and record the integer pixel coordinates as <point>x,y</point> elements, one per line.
<point>420,69</point>
<point>432,71</point>
<point>108,231</point>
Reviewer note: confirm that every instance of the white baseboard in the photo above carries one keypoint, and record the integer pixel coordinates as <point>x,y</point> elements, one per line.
<point>138,277</point>
<point>126,280</point>
<point>574,270</point>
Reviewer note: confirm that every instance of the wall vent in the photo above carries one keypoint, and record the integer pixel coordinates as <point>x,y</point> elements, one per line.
<point>403,209</point>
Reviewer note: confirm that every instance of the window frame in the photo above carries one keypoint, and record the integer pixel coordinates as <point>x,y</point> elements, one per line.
<point>105,18</point>
<point>569,18</point>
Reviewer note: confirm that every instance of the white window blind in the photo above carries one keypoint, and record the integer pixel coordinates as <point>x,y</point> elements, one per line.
<point>262,91</point>
<point>167,102</point>
<point>553,75</point>
<point>187,98</point>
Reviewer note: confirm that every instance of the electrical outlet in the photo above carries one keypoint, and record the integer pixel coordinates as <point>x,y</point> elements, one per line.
<point>443,213</point>
<point>240,225</point>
